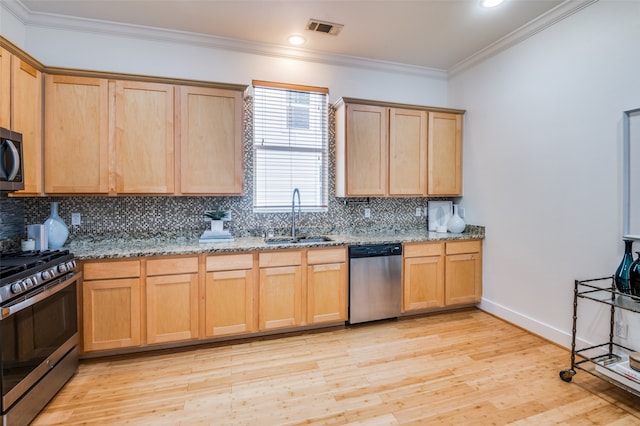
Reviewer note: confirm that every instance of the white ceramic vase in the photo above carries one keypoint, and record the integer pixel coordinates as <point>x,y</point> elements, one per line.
<point>456,225</point>
<point>217,225</point>
<point>57,231</point>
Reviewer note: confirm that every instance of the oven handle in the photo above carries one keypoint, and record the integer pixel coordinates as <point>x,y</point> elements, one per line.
<point>15,161</point>
<point>14,309</point>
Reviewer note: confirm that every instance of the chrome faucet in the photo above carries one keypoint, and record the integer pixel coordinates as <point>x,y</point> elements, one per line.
<point>293,215</point>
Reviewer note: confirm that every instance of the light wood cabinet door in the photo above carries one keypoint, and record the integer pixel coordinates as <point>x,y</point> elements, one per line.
<point>26,118</point>
<point>407,152</point>
<point>444,154</point>
<point>111,314</point>
<point>423,283</point>
<point>366,150</point>
<point>144,139</point>
<point>211,143</point>
<point>172,308</point>
<point>463,273</point>
<point>327,292</point>
<point>5,88</point>
<point>229,307</point>
<point>280,304</point>
<point>76,135</point>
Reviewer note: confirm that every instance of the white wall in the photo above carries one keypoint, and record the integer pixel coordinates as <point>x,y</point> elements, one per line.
<point>159,53</point>
<point>543,163</point>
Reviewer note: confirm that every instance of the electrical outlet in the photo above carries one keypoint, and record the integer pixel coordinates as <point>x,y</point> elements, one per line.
<point>367,213</point>
<point>418,211</point>
<point>75,219</point>
<point>621,330</point>
<point>461,211</point>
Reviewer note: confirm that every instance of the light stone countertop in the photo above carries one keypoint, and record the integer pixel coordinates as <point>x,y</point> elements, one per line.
<point>106,247</point>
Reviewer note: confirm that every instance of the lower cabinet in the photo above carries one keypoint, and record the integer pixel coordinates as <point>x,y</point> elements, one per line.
<point>441,274</point>
<point>228,295</point>
<point>172,299</point>
<point>111,304</point>
<point>327,278</point>
<point>423,286</point>
<point>280,304</point>
<point>463,276</point>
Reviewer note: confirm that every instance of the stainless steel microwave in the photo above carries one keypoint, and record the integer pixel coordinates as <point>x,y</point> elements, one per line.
<point>11,171</point>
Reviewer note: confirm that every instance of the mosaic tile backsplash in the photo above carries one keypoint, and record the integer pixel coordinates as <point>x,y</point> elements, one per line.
<point>184,215</point>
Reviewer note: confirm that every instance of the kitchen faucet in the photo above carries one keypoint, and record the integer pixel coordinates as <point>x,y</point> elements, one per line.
<point>293,216</point>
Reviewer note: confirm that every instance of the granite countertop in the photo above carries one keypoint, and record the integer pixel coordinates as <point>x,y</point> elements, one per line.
<point>121,246</point>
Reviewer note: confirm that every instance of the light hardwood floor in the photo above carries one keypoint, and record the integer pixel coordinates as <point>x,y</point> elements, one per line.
<point>458,368</point>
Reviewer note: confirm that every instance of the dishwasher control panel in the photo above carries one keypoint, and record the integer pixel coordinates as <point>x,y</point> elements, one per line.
<point>373,250</point>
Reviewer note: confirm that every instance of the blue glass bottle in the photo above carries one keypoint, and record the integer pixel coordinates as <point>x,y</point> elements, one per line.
<point>634,276</point>
<point>623,283</point>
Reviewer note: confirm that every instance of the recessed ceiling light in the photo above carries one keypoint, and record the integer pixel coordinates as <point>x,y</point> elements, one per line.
<point>296,40</point>
<point>490,3</point>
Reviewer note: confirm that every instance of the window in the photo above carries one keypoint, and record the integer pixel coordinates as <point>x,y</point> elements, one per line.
<point>289,147</point>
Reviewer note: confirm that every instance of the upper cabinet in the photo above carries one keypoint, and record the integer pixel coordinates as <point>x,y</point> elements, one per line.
<point>105,136</point>
<point>76,135</point>
<point>387,149</point>
<point>144,141</point>
<point>445,154</point>
<point>21,111</point>
<point>361,150</point>
<point>211,154</point>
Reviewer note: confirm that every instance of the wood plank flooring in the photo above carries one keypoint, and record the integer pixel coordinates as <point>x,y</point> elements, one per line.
<point>457,368</point>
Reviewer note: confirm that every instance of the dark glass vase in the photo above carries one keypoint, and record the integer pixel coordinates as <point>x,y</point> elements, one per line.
<point>623,283</point>
<point>634,276</point>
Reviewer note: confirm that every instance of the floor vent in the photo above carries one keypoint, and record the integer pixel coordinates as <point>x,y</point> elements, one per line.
<point>324,27</point>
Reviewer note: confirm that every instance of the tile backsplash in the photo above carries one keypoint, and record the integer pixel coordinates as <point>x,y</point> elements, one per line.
<point>184,215</point>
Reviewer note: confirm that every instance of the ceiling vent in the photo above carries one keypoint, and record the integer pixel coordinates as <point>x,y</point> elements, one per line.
<point>324,27</point>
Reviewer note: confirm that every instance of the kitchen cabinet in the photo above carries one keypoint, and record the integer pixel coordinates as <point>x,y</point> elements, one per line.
<point>229,295</point>
<point>280,304</point>
<point>361,150</point>
<point>172,299</point>
<point>5,88</point>
<point>389,149</point>
<point>21,111</point>
<point>76,140</point>
<point>211,142</point>
<point>111,305</point>
<point>463,272</point>
<point>108,137</point>
<point>407,152</point>
<point>144,139</point>
<point>424,276</point>
<point>445,154</point>
<point>327,278</point>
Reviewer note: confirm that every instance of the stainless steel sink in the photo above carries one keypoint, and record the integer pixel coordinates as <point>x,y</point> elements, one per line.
<point>298,240</point>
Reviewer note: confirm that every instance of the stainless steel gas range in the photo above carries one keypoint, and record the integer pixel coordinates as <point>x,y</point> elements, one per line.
<point>38,330</point>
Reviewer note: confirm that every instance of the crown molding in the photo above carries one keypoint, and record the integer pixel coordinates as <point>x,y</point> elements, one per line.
<point>68,23</point>
<point>555,15</point>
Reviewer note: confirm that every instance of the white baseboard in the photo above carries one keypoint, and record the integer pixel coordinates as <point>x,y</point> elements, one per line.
<point>561,337</point>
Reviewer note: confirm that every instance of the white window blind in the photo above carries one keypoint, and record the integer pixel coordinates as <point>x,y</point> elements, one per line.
<point>290,148</point>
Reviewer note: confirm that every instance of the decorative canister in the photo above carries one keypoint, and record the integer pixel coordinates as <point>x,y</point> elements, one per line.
<point>57,231</point>
<point>622,273</point>
<point>456,225</point>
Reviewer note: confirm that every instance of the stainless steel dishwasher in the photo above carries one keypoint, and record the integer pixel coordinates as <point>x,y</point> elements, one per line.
<point>375,286</point>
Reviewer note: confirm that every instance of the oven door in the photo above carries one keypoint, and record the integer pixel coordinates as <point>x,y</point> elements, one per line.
<point>36,333</point>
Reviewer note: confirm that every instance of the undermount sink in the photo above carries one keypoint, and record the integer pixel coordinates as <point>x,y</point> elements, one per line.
<point>298,240</point>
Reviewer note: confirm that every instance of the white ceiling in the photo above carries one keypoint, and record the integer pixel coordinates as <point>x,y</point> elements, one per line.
<point>434,34</point>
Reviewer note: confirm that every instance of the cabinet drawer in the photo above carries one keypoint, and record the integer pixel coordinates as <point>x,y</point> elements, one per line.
<point>287,258</point>
<point>229,262</point>
<point>111,269</point>
<point>332,255</point>
<point>459,247</point>
<point>172,266</point>
<point>422,250</point>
